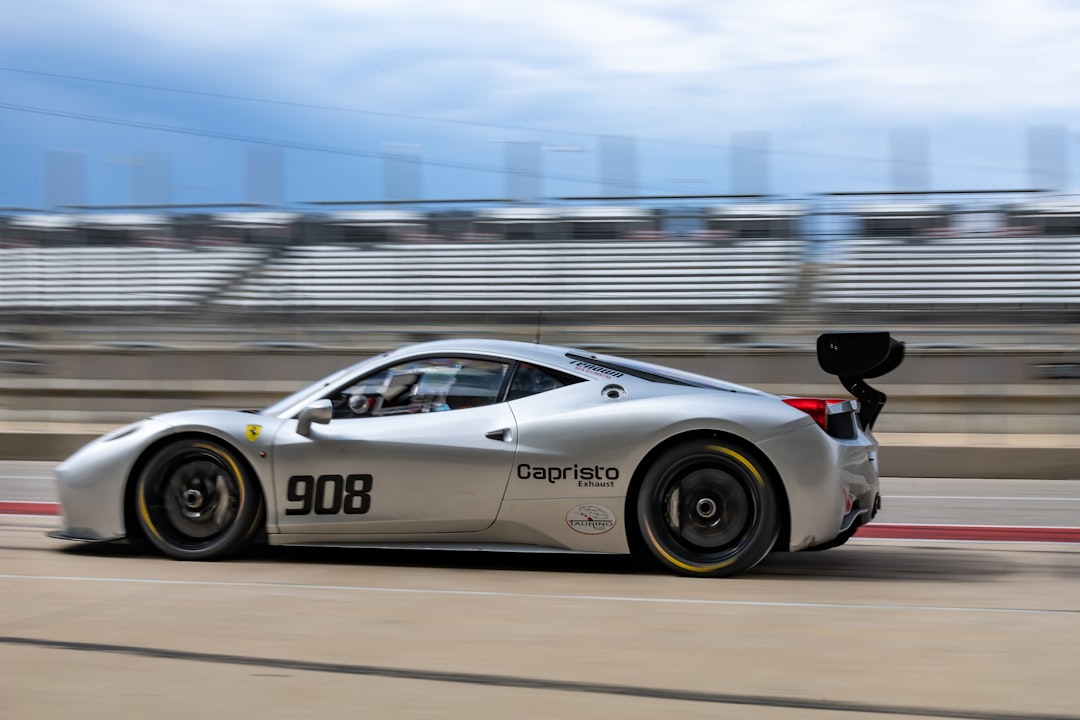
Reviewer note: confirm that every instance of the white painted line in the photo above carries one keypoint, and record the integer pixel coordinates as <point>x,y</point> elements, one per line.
<point>541,596</point>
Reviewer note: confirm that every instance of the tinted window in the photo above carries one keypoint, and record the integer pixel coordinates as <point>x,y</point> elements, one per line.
<point>530,379</point>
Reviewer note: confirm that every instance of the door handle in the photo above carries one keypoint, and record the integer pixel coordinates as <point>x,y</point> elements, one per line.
<point>502,435</point>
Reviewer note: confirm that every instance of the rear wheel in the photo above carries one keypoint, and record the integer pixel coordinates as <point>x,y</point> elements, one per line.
<point>195,500</point>
<point>707,508</point>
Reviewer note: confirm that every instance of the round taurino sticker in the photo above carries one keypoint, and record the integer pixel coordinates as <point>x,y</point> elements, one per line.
<point>590,519</point>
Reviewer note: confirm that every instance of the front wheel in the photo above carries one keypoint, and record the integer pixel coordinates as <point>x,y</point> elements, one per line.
<point>195,500</point>
<point>708,508</point>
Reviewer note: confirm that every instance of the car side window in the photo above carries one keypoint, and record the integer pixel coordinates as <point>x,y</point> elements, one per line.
<point>421,386</point>
<point>531,379</point>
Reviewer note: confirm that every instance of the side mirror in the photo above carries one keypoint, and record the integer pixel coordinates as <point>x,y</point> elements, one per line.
<point>319,411</point>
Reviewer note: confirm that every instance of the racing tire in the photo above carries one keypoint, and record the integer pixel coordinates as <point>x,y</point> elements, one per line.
<point>196,500</point>
<point>707,508</point>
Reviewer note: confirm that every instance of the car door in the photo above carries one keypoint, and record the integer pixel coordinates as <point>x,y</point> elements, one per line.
<point>421,447</point>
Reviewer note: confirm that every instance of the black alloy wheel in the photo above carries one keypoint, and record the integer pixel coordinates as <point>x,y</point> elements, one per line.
<point>195,500</point>
<point>708,508</point>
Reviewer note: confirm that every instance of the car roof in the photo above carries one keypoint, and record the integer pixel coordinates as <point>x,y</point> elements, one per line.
<point>573,360</point>
<point>513,349</point>
<point>567,359</point>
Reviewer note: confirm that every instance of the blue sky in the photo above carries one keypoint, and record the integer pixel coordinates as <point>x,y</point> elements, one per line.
<point>334,83</point>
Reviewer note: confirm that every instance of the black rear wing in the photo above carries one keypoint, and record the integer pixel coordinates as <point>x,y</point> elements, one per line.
<point>856,356</point>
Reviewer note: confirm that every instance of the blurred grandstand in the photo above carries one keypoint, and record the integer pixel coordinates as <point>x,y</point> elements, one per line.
<point>113,314</point>
<point>749,269</point>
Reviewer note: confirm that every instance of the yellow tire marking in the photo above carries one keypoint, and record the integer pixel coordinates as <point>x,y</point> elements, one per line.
<point>146,513</point>
<point>741,460</point>
<point>679,563</point>
<point>705,568</point>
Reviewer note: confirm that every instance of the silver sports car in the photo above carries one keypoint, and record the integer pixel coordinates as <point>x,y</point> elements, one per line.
<point>502,445</point>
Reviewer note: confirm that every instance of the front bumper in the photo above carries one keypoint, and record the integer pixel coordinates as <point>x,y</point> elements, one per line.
<point>92,482</point>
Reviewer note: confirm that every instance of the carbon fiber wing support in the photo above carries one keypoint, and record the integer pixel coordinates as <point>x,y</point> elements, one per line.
<point>855,356</point>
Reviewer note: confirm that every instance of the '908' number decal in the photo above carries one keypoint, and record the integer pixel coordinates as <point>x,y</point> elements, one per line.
<point>329,494</point>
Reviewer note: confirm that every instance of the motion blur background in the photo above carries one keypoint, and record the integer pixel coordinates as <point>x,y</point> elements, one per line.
<point>208,204</point>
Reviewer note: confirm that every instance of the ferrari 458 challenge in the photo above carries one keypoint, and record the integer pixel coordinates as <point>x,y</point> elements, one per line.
<point>502,445</point>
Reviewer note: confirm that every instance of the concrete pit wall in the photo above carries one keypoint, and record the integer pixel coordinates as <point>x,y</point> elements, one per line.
<point>979,412</point>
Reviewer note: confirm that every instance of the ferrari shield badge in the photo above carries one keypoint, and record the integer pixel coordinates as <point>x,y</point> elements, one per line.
<point>253,432</point>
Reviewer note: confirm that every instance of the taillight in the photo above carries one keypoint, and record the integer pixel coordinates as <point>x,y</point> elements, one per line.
<point>817,408</point>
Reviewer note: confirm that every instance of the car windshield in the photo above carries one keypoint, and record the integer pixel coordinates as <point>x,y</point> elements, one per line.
<point>286,402</point>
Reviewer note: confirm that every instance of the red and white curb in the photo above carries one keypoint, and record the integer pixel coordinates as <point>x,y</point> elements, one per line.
<point>970,533</point>
<point>893,531</point>
<point>15,507</point>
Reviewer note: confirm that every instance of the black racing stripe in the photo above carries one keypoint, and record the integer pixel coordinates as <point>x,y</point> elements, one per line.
<point>529,683</point>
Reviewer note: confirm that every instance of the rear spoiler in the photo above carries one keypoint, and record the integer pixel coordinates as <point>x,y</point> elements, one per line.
<point>856,356</point>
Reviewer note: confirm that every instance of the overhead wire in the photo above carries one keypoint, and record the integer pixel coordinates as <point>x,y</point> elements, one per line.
<point>482,124</point>
<point>218,135</point>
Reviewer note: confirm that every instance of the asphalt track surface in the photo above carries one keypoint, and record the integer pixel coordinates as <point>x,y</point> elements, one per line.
<point>878,628</point>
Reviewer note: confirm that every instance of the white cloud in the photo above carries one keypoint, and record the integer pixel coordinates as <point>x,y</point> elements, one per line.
<point>680,69</point>
<point>778,63</point>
